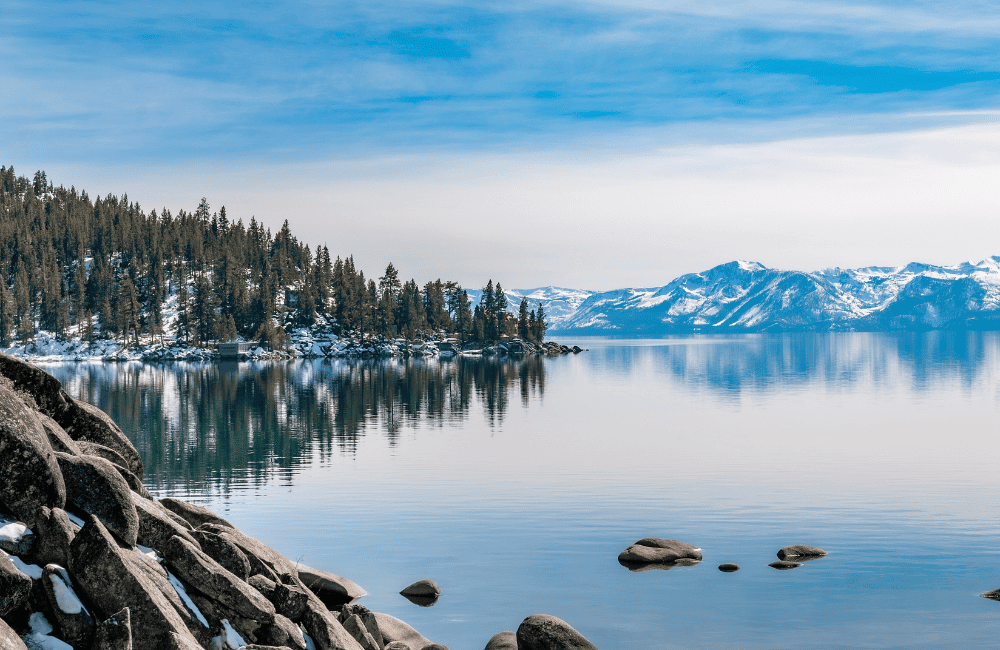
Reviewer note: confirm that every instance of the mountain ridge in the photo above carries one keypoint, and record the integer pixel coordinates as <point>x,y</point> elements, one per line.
<point>745,296</point>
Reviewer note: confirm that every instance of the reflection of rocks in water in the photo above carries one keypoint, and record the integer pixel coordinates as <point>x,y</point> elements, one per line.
<point>423,601</point>
<point>637,567</point>
<point>198,422</point>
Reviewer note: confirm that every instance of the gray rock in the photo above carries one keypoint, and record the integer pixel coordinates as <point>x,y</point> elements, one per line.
<point>436,646</point>
<point>502,641</point>
<point>57,436</point>
<point>215,613</point>
<point>224,552</point>
<point>544,632</point>
<point>395,630</point>
<point>209,577</point>
<point>357,629</point>
<point>800,550</point>
<point>332,589</point>
<point>155,527</point>
<point>324,628</point>
<point>75,624</point>
<point>729,567</point>
<point>396,645</point>
<point>257,646</point>
<point>15,587</point>
<point>291,600</point>
<point>651,549</point>
<point>282,632</point>
<point>37,385</point>
<point>88,448</point>
<point>114,633</point>
<point>367,618</point>
<point>422,588</point>
<point>263,559</point>
<point>194,514</point>
<point>17,539</point>
<point>94,486</point>
<point>86,422</point>
<point>784,565</point>
<point>9,640</point>
<point>29,473</point>
<point>112,582</point>
<point>992,595</point>
<point>55,533</point>
<point>264,585</point>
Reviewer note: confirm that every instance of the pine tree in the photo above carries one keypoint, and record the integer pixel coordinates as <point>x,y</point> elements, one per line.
<point>522,320</point>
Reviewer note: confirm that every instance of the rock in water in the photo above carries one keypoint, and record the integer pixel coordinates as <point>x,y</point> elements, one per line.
<point>652,549</point>
<point>422,588</point>
<point>729,567</point>
<point>800,550</point>
<point>114,633</point>
<point>112,582</point>
<point>76,625</point>
<point>544,632</point>
<point>29,473</point>
<point>332,589</point>
<point>9,640</point>
<point>502,641</point>
<point>15,587</point>
<point>784,565</point>
<point>94,486</point>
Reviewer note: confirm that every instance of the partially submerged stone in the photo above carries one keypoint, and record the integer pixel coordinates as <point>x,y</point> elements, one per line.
<point>545,632</point>
<point>784,565</point>
<point>95,487</point>
<point>662,551</point>
<point>332,589</point>
<point>425,587</point>
<point>729,567</point>
<point>800,550</point>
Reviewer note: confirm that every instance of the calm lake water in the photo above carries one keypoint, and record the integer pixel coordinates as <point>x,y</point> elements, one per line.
<point>516,484</point>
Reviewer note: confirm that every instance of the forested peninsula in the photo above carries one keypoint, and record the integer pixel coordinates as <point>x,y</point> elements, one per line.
<point>103,277</point>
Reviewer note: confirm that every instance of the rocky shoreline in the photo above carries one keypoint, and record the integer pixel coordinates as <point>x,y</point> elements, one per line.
<point>304,343</point>
<point>90,560</point>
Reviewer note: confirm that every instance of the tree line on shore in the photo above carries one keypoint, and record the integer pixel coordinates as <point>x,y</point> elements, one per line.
<point>105,268</point>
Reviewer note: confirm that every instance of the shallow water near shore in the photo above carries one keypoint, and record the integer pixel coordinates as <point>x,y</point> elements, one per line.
<point>515,484</point>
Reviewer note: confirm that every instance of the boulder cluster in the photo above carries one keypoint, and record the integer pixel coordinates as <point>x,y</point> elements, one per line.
<point>89,559</point>
<point>658,553</point>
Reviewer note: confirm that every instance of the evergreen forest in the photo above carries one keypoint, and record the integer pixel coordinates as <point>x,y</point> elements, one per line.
<point>106,269</point>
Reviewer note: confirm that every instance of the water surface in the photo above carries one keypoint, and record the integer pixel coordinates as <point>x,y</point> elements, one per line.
<point>516,484</point>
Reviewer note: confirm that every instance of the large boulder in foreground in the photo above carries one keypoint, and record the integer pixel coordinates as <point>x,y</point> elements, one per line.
<point>155,526</point>
<point>29,473</point>
<point>502,641</point>
<point>332,589</point>
<point>654,549</point>
<point>800,550</point>
<point>395,630</point>
<point>544,632</point>
<point>95,486</point>
<point>114,633</point>
<point>30,380</point>
<point>55,534</point>
<point>76,625</point>
<point>112,582</point>
<point>15,587</point>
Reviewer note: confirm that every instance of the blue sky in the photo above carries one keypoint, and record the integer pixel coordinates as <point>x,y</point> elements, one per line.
<point>592,144</point>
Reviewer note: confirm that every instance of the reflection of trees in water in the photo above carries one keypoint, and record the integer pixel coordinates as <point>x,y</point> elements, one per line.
<point>207,423</point>
<point>838,360</point>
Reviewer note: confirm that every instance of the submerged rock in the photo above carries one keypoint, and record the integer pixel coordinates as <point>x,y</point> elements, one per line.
<point>545,632</point>
<point>332,589</point>
<point>800,550</point>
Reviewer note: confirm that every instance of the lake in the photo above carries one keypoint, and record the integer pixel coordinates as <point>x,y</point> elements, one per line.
<point>515,484</point>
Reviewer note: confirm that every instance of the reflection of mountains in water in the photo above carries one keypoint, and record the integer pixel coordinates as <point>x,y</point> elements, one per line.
<point>197,422</point>
<point>765,363</point>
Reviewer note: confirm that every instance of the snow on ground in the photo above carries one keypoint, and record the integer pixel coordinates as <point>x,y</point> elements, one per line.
<point>62,587</point>
<point>182,592</point>
<point>39,637</point>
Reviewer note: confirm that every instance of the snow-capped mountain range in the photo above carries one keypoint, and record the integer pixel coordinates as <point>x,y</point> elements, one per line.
<point>747,296</point>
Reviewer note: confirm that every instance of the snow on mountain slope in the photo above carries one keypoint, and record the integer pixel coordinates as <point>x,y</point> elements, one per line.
<point>747,296</point>
<point>559,302</point>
